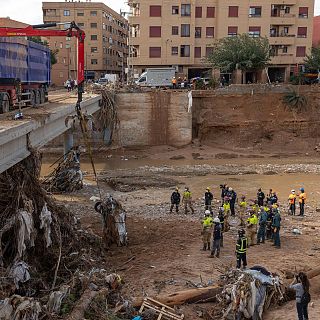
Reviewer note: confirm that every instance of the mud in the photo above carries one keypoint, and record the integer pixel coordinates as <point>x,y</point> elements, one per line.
<point>166,247</point>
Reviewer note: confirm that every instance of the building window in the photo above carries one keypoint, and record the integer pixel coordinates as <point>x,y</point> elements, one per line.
<point>232,31</point>
<point>94,37</point>
<point>197,33</point>
<point>209,32</point>
<point>93,25</point>
<point>233,11</point>
<point>303,12</point>
<point>211,12</point>
<point>94,61</point>
<point>155,52</point>
<point>94,49</point>
<point>80,13</point>
<point>186,10</point>
<point>175,9</point>
<point>175,30</point>
<point>155,11</point>
<point>198,12</point>
<point>185,30</point>
<point>93,13</point>
<point>185,51</point>
<point>254,32</point>
<point>285,49</point>
<point>197,52</point>
<point>66,13</point>
<point>209,51</point>
<point>302,32</point>
<point>174,51</point>
<point>155,32</point>
<point>255,12</point>
<point>301,51</point>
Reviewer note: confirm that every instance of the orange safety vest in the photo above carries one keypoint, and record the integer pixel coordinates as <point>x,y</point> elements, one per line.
<point>292,198</point>
<point>174,81</point>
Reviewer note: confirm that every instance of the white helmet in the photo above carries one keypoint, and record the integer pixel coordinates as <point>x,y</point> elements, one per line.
<point>293,191</point>
<point>207,212</point>
<point>230,189</point>
<point>216,220</point>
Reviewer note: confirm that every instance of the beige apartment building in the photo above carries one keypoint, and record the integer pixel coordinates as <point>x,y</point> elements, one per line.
<point>106,47</point>
<point>180,33</point>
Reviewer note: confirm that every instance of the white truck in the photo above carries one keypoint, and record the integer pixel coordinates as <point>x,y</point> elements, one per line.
<point>157,77</point>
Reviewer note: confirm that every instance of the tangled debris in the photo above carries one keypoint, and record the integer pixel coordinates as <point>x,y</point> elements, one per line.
<point>67,176</point>
<point>247,294</point>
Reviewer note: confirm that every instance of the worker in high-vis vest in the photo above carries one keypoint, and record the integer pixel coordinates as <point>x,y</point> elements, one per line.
<point>207,223</point>
<point>292,202</point>
<point>241,249</point>
<point>302,201</point>
<point>252,226</point>
<point>187,200</point>
<point>242,210</point>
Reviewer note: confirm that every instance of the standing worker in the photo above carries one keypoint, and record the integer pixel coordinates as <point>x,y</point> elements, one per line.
<point>175,200</point>
<point>233,197</point>
<point>252,223</point>
<point>206,230</point>
<point>292,202</point>
<point>302,201</point>
<point>260,197</point>
<point>241,249</point>
<point>221,219</point>
<point>269,229</point>
<point>216,238</point>
<point>208,197</point>
<point>174,83</point>
<point>262,226</point>
<point>187,200</point>
<point>276,223</point>
<point>242,208</point>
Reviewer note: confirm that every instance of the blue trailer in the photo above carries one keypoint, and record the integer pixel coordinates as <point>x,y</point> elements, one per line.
<point>24,73</point>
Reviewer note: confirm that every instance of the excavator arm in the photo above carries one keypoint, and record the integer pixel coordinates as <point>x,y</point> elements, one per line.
<point>42,31</point>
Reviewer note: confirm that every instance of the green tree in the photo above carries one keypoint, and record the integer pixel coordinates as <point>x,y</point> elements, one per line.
<point>312,61</point>
<point>241,52</point>
<point>53,53</point>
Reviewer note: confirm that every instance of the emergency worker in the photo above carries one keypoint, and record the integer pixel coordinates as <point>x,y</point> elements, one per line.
<point>302,201</point>
<point>260,197</point>
<point>175,200</point>
<point>252,223</point>
<point>262,226</point>
<point>292,202</point>
<point>187,200</point>
<point>241,249</point>
<point>216,238</point>
<point>276,224</point>
<point>221,218</point>
<point>242,210</point>
<point>208,197</point>
<point>207,223</point>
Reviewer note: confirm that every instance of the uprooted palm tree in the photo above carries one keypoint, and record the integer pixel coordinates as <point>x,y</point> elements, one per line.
<point>294,101</point>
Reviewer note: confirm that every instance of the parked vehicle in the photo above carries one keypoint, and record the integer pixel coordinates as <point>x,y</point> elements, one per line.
<point>157,77</point>
<point>24,66</point>
<point>113,78</point>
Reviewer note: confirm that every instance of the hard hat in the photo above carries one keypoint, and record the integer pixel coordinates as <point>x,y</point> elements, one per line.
<point>293,191</point>
<point>302,189</point>
<point>216,220</point>
<point>230,189</point>
<point>208,189</point>
<point>207,212</point>
<point>177,189</point>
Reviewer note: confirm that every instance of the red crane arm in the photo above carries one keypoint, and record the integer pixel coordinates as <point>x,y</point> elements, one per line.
<point>39,30</point>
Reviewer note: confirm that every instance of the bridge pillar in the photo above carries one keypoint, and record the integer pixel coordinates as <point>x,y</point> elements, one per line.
<point>68,141</point>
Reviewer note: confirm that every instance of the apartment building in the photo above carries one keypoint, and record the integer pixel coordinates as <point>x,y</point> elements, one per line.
<point>181,33</point>
<point>316,32</point>
<point>106,48</point>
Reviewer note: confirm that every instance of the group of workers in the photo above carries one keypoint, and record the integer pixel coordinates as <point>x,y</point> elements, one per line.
<point>260,220</point>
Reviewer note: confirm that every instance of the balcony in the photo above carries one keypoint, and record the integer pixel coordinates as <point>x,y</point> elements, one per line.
<point>283,58</point>
<point>283,19</point>
<point>278,39</point>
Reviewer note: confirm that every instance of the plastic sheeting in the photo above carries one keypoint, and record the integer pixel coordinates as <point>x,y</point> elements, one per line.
<point>19,308</point>
<point>46,220</point>
<point>56,298</point>
<point>25,232</point>
<point>20,273</point>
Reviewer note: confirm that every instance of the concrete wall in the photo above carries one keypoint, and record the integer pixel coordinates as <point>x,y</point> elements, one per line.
<point>154,118</point>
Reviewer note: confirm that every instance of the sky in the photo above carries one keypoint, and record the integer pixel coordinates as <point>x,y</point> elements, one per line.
<point>30,11</point>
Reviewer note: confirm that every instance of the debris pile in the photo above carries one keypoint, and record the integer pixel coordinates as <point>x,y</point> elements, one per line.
<point>67,176</point>
<point>247,294</point>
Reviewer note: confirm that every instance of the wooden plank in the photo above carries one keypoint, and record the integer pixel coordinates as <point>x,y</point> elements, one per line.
<point>163,311</point>
<point>159,303</point>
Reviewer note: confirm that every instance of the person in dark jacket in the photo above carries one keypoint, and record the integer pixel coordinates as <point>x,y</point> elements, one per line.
<point>233,198</point>
<point>262,226</point>
<point>221,219</point>
<point>274,198</point>
<point>269,230</point>
<point>241,249</point>
<point>260,197</point>
<point>223,188</point>
<point>208,197</point>
<point>216,238</point>
<point>175,200</point>
<point>276,223</point>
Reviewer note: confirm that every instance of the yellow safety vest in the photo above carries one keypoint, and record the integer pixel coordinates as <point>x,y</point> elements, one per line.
<point>243,204</point>
<point>207,222</point>
<point>242,247</point>
<point>302,197</point>
<point>226,206</point>
<point>253,219</point>
<point>187,195</point>
<point>292,198</point>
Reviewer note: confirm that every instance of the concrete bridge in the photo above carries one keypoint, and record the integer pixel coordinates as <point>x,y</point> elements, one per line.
<point>38,127</point>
